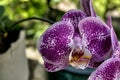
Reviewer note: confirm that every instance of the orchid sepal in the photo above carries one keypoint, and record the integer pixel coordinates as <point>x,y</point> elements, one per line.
<point>54,44</point>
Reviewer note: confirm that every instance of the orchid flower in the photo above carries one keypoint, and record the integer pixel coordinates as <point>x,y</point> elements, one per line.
<point>109,69</point>
<point>80,39</point>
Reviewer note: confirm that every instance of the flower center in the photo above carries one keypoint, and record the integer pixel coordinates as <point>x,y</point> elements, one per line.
<point>80,58</point>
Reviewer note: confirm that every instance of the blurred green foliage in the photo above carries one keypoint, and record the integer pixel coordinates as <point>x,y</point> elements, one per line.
<point>15,10</point>
<point>18,9</point>
<point>12,11</point>
<point>103,6</point>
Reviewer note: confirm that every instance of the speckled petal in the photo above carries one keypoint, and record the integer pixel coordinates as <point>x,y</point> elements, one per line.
<point>115,44</point>
<point>93,64</point>
<point>54,43</point>
<point>109,21</point>
<point>108,70</point>
<point>53,67</point>
<point>76,44</point>
<point>88,8</point>
<point>114,39</point>
<point>95,37</point>
<point>74,16</point>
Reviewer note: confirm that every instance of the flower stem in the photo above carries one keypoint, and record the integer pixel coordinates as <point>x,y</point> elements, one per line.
<point>31,18</point>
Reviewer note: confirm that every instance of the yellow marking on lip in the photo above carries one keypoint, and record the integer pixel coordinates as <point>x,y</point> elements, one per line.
<point>80,62</point>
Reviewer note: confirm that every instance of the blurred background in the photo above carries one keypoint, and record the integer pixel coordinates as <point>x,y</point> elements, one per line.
<point>12,11</point>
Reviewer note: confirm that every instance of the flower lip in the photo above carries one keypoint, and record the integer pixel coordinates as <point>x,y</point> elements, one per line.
<point>80,58</point>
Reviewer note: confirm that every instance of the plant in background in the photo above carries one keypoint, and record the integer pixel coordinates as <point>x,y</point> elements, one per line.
<point>10,13</point>
<point>82,40</point>
<point>10,31</point>
<point>6,34</point>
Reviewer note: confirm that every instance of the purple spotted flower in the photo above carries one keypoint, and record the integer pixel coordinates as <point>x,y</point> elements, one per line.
<point>109,69</point>
<point>80,39</point>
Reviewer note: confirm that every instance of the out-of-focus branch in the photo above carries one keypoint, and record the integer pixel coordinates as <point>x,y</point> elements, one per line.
<point>31,18</point>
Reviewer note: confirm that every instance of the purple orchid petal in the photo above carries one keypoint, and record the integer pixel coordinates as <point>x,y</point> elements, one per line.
<point>74,16</point>
<point>93,64</point>
<point>53,67</point>
<point>54,43</point>
<point>109,21</point>
<point>115,44</point>
<point>116,53</point>
<point>76,44</point>
<point>108,70</point>
<point>96,64</point>
<point>79,57</point>
<point>114,39</point>
<point>95,37</point>
<point>88,8</point>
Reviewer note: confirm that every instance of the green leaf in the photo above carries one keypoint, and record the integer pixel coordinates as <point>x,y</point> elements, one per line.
<point>2,9</point>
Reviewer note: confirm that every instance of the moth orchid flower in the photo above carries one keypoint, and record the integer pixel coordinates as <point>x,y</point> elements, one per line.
<point>109,69</point>
<point>80,39</point>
